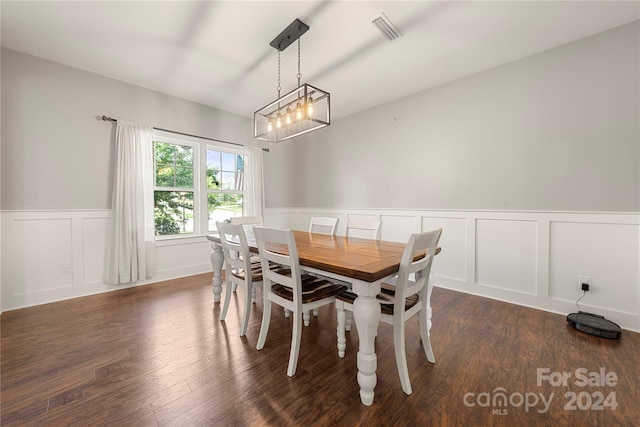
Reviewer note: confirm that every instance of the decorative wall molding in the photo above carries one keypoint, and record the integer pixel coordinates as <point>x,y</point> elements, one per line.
<point>55,255</point>
<point>529,258</point>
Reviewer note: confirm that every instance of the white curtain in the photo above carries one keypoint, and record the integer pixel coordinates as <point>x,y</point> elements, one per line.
<point>253,195</point>
<point>131,249</point>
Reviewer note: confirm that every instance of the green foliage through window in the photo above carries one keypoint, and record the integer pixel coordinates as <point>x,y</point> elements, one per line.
<point>173,212</point>
<point>174,165</point>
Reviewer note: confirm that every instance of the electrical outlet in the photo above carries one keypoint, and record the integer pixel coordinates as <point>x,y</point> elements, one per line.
<point>584,280</point>
<point>65,269</point>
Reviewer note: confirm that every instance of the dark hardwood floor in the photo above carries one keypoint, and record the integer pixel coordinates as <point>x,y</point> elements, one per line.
<point>157,355</point>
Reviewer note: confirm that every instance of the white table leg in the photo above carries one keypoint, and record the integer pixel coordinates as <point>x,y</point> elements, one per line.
<point>366,312</point>
<point>217,259</point>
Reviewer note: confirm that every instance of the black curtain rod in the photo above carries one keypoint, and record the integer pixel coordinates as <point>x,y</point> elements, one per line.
<point>111,119</point>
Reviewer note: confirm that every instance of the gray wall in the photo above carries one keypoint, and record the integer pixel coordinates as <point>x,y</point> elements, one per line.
<point>555,131</point>
<point>57,155</point>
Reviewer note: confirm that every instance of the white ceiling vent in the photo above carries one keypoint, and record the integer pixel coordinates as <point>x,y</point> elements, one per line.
<point>387,28</point>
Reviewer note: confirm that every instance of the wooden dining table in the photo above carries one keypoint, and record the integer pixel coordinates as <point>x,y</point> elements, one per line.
<point>362,262</point>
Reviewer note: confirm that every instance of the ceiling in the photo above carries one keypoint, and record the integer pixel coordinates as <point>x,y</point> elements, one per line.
<point>217,53</point>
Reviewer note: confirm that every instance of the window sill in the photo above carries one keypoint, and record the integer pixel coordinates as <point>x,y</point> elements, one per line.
<point>180,240</point>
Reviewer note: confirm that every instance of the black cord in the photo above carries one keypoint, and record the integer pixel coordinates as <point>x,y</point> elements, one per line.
<point>583,294</point>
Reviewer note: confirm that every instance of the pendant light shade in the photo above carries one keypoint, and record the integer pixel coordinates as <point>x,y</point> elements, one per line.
<point>304,109</point>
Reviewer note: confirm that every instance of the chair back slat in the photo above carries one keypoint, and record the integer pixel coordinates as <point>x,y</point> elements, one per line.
<point>364,228</point>
<point>323,224</point>
<point>235,250</point>
<point>247,222</point>
<point>279,255</point>
<point>419,244</point>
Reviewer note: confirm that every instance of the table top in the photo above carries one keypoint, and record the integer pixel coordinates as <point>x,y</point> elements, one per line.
<point>362,259</point>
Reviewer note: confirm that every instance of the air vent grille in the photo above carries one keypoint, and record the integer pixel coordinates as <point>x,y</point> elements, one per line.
<point>386,27</point>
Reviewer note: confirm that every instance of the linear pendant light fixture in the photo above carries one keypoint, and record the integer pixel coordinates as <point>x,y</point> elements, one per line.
<point>303,110</point>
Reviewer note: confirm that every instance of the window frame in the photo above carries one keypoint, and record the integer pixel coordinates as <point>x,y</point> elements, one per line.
<point>200,190</point>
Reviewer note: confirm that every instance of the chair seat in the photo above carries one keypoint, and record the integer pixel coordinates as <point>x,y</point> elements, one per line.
<point>313,289</point>
<point>253,259</point>
<point>385,298</point>
<point>256,272</point>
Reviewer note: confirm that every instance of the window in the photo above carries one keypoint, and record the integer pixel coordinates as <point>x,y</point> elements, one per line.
<point>225,185</point>
<point>175,188</point>
<point>182,168</point>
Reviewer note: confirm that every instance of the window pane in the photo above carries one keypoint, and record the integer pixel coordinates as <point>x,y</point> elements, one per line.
<point>173,212</point>
<point>213,179</point>
<point>232,181</point>
<point>183,155</point>
<point>228,162</point>
<point>213,159</point>
<point>164,176</point>
<point>164,153</point>
<point>222,207</point>
<point>213,169</point>
<point>228,180</point>
<point>239,177</point>
<point>184,177</point>
<point>174,165</point>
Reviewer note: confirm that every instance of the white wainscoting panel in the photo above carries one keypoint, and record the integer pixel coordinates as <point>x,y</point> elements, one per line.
<point>183,257</point>
<point>612,276</point>
<point>397,228</point>
<point>506,254</point>
<point>42,251</point>
<point>54,255</point>
<point>452,261</point>
<point>526,258</point>
<point>94,245</point>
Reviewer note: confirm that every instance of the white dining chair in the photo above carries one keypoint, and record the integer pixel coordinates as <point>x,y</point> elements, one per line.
<point>364,228</point>
<point>286,286</point>
<point>400,299</point>
<point>248,222</point>
<point>239,269</point>
<point>323,225</point>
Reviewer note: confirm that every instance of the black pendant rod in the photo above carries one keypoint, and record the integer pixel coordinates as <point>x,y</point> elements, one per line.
<point>111,119</point>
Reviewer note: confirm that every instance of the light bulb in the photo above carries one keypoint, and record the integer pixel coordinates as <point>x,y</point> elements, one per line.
<point>270,125</point>
<point>287,117</point>
<point>278,121</point>
<point>310,106</point>
<point>298,111</point>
